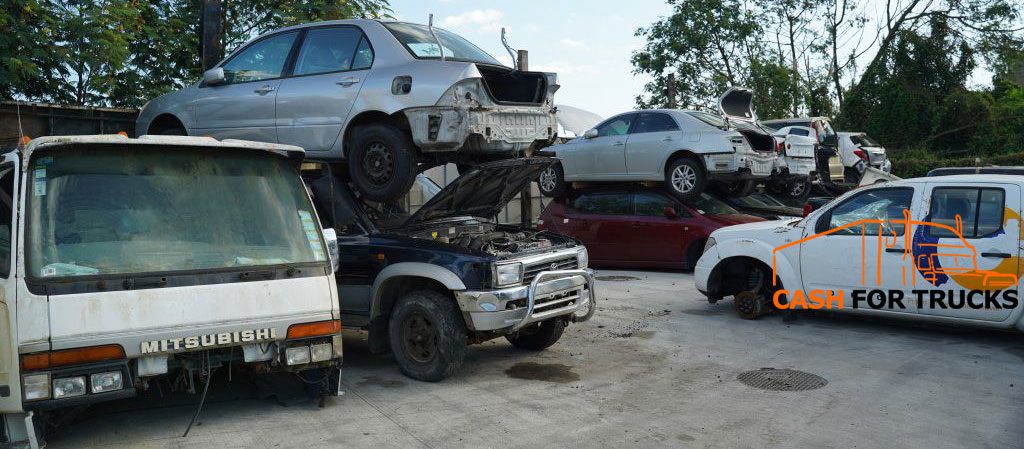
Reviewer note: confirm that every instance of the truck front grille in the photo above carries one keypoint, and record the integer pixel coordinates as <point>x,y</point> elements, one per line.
<point>564,263</point>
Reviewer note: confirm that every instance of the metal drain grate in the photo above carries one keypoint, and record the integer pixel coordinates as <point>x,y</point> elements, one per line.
<point>616,278</point>
<point>782,380</point>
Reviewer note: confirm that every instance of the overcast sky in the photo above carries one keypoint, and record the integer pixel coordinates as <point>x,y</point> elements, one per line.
<point>588,44</point>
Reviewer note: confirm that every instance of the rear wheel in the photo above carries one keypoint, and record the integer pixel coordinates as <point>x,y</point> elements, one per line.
<point>685,178</point>
<point>427,335</point>
<point>736,188</point>
<point>382,162</point>
<point>798,190</point>
<point>540,336</point>
<point>551,181</point>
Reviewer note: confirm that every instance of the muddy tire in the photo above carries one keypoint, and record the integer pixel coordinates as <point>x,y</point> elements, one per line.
<point>693,253</point>
<point>551,181</point>
<point>685,178</point>
<point>427,336</point>
<point>539,336</point>
<point>382,162</point>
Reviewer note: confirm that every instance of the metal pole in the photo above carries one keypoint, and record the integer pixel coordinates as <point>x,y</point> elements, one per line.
<point>526,195</point>
<point>211,30</point>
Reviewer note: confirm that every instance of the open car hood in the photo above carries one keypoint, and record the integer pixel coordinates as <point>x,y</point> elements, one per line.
<point>737,103</point>
<point>482,192</point>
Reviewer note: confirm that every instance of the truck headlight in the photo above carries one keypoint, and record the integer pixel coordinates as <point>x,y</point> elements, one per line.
<point>298,355</point>
<point>104,382</point>
<point>582,257</point>
<point>710,244</point>
<point>321,352</point>
<point>508,274</point>
<point>68,387</point>
<point>36,386</point>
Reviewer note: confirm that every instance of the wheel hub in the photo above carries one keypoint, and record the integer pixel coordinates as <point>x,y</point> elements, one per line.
<point>547,179</point>
<point>420,337</point>
<point>684,178</point>
<point>378,163</point>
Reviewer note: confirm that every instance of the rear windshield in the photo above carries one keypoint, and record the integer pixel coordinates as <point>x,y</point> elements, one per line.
<point>863,140</point>
<point>714,120</point>
<point>109,211</point>
<point>418,40</point>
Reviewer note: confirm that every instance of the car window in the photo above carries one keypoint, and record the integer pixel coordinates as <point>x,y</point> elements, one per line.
<point>828,135</point>
<point>653,205</point>
<point>602,203</point>
<point>980,211</point>
<point>6,218</point>
<point>617,126</point>
<point>419,40</point>
<point>364,55</point>
<point>263,60</point>
<point>799,132</point>
<point>327,50</point>
<point>714,120</point>
<point>654,122</point>
<point>878,206</point>
<point>863,140</point>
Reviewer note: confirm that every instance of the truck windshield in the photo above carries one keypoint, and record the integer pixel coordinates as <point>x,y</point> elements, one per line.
<point>421,43</point>
<point>109,211</point>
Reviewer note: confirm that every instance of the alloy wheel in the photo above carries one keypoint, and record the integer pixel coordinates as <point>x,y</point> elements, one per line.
<point>547,179</point>
<point>684,178</point>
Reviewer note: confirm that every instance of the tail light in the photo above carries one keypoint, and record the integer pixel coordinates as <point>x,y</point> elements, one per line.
<point>75,356</point>
<point>808,209</point>
<point>861,153</point>
<point>314,329</point>
<point>778,147</point>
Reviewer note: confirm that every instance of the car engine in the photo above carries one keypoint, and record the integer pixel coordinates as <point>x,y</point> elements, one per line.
<point>489,239</point>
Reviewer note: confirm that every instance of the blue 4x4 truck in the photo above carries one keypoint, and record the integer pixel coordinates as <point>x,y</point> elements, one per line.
<point>426,284</point>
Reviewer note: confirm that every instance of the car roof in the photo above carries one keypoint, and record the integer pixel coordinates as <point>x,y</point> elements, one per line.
<point>960,179</point>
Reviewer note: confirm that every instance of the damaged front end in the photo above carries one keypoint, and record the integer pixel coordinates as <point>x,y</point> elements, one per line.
<point>500,111</point>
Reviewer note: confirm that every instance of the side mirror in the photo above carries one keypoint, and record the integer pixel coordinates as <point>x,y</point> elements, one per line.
<point>590,134</point>
<point>213,76</point>
<point>331,238</point>
<point>670,212</point>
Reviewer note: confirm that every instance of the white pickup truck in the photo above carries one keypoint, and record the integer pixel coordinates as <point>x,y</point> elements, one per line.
<point>942,249</point>
<point>126,259</point>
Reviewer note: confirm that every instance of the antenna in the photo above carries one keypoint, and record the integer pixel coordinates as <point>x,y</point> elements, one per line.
<point>508,48</point>
<point>430,26</point>
<point>21,132</point>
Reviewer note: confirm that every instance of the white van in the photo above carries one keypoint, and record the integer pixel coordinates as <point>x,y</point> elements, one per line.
<point>125,259</point>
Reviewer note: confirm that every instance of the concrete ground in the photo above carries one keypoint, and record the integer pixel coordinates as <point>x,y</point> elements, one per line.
<point>656,367</point>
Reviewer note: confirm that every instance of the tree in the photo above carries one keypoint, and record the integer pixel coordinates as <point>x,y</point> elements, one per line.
<point>27,60</point>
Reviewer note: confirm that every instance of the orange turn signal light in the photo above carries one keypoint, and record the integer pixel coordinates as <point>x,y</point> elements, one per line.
<point>25,140</point>
<point>75,356</point>
<point>315,329</point>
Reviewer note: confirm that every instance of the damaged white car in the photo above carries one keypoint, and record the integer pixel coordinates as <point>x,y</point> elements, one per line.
<point>384,96</point>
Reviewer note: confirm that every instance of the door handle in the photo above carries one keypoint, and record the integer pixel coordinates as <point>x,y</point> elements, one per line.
<point>996,255</point>
<point>618,144</point>
<point>264,90</point>
<point>894,250</point>
<point>348,81</point>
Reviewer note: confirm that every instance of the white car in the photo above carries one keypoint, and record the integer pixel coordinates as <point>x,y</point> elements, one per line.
<point>835,162</point>
<point>943,249</point>
<point>684,149</point>
<point>857,148</point>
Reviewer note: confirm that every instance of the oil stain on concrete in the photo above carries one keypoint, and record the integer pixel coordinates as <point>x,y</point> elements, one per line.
<point>548,372</point>
<point>377,381</point>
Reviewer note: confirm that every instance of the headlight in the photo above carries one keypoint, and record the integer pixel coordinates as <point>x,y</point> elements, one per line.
<point>298,355</point>
<point>36,386</point>
<point>104,382</point>
<point>321,352</point>
<point>582,257</point>
<point>68,387</point>
<point>710,244</point>
<point>508,274</point>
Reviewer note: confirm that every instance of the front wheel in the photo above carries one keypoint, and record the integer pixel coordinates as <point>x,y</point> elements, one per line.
<point>798,190</point>
<point>382,162</point>
<point>427,335</point>
<point>537,337</point>
<point>551,181</point>
<point>685,178</point>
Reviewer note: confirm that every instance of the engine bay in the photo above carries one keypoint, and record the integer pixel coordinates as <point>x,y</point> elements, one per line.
<point>487,237</point>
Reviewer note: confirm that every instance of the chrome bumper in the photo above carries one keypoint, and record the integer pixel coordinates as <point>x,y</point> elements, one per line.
<point>569,292</point>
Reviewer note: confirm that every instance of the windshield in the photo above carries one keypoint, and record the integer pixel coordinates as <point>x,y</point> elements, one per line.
<point>103,211</point>
<point>709,205</point>
<point>863,140</point>
<point>418,40</point>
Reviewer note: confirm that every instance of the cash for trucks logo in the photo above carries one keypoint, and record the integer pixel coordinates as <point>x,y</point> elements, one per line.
<point>920,253</point>
<point>208,340</point>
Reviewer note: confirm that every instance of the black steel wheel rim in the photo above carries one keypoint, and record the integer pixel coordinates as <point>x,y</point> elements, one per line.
<point>378,163</point>
<point>419,337</point>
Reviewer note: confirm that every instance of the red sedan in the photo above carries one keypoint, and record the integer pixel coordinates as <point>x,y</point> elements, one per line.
<point>639,227</point>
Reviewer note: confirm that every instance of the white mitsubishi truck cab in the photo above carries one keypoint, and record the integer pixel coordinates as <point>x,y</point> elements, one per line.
<point>940,249</point>
<point>126,259</point>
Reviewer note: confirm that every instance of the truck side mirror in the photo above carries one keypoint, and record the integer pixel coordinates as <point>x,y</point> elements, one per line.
<point>331,238</point>
<point>590,134</point>
<point>670,212</point>
<point>213,76</point>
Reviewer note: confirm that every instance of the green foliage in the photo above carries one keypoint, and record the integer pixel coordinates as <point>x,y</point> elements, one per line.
<point>125,52</point>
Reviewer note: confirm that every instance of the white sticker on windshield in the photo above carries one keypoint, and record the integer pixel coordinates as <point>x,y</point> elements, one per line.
<point>39,181</point>
<point>312,235</point>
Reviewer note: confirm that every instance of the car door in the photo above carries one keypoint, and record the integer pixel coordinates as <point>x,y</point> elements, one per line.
<point>243,105</point>
<point>315,101</point>
<point>843,251</point>
<point>10,383</point>
<point>603,222</point>
<point>656,238</point>
<point>651,139</point>
<point>602,157</point>
<point>984,256</point>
